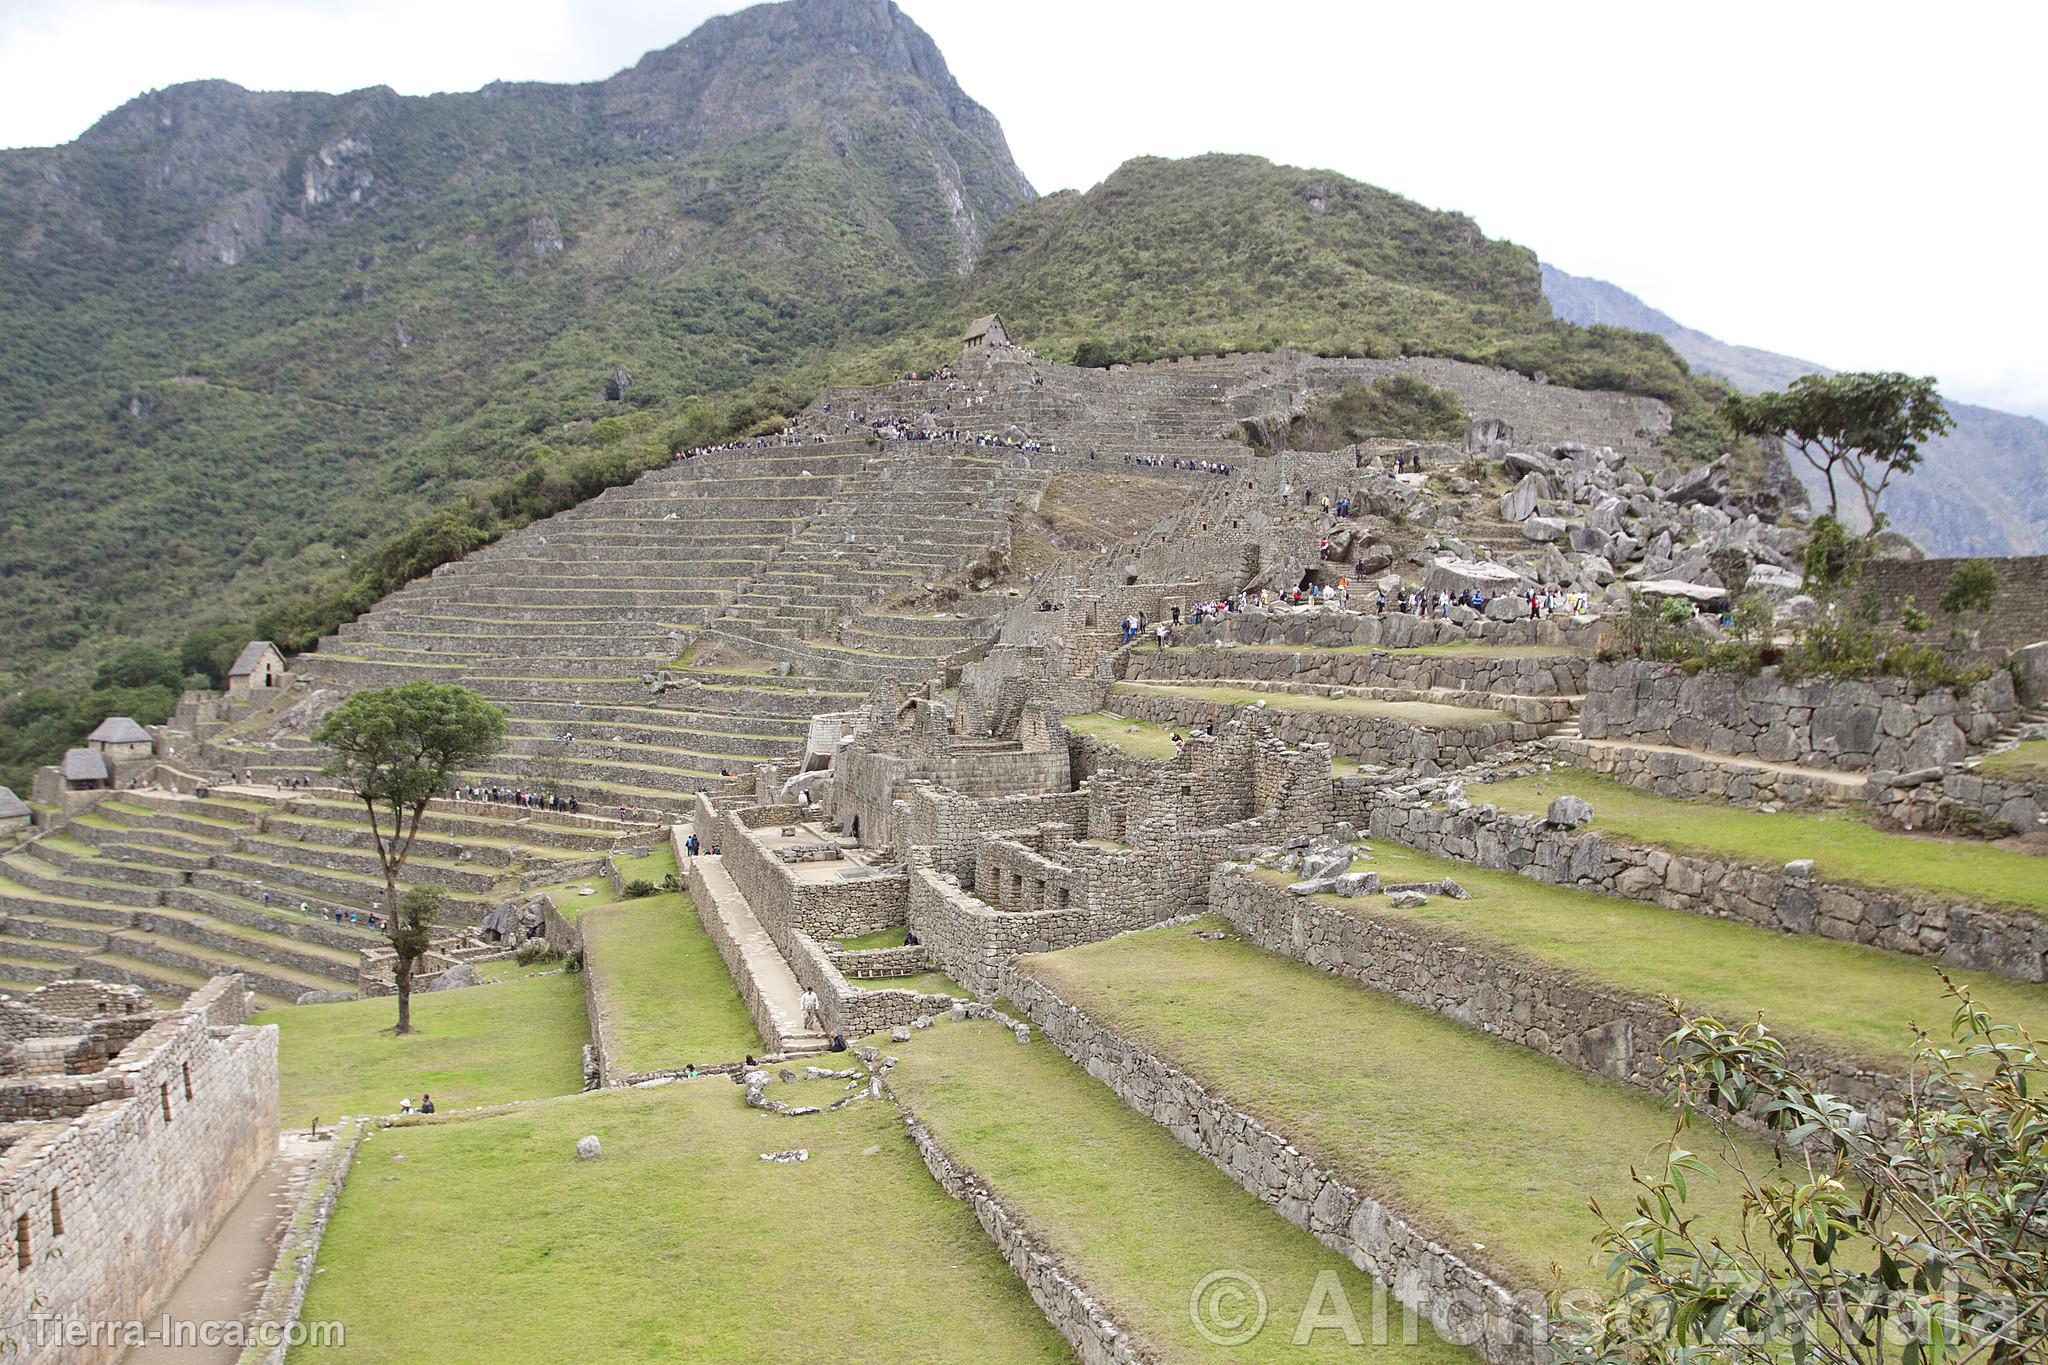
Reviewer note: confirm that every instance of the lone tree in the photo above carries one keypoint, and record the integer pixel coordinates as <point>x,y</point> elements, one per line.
<point>1924,1243</point>
<point>1867,428</point>
<point>396,748</point>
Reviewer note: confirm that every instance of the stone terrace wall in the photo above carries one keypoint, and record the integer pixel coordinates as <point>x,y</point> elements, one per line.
<point>1367,738</point>
<point>1851,724</point>
<point>139,1193</point>
<point>2012,943</point>
<point>1560,676</point>
<point>1689,776</point>
<point>2019,614</point>
<point>1515,996</point>
<point>1967,802</point>
<point>973,942</point>
<point>1331,628</point>
<point>1462,1301</point>
<point>1073,1312</point>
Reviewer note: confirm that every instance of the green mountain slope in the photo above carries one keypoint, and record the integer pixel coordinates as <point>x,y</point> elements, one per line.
<point>249,331</point>
<point>271,354</point>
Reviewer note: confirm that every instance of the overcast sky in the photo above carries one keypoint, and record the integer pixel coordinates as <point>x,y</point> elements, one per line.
<point>1858,184</point>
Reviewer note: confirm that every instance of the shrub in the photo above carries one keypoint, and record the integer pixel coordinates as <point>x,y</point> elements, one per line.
<point>638,888</point>
<point>535,950</point>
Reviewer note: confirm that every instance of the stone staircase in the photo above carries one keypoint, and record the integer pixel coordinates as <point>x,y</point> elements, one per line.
<point>785,552</point>
<point>163,892</point>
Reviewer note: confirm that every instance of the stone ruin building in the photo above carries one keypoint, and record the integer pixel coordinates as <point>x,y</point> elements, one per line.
<point>127,1133</point>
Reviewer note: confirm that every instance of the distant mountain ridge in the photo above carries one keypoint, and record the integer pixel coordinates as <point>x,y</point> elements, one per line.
<point>1982,490</point>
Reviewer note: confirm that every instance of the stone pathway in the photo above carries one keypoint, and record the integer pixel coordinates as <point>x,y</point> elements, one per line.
<point>226,1283</point>
<point>764,963</point>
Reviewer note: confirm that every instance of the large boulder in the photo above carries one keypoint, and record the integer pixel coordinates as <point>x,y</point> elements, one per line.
<point>1520,462</point>
<point>1519,502</point>
<point>1457,576</point>
<point>1544,529</point>
<point>1569,812</point>
<point>461,975</point>
<point>1708,484</point>
<point>1772,583</point>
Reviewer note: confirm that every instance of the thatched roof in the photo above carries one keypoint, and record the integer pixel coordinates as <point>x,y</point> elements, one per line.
<point>982,326</point>
<point>251,658</point>
<point>119,730</point>
<point>83,765</point>
<point>12,807</point>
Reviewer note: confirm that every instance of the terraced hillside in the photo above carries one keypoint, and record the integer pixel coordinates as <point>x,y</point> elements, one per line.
<point>758,578</point>
<point>164,891</point>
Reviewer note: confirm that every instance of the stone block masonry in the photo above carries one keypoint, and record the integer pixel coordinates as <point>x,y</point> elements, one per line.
<point>1514,996</point>
<point>1366,737</point>
<point>1856,725</point>
<point>111,1204</point>
<point>1073,1312</point>
<point>1459,1299</point>
<point>2009,942</point>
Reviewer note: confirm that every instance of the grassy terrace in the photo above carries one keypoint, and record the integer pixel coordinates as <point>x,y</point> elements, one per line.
<point>1722,967</point>
<point>485,1045</point>
<point>681,1243</point>
<point>881,938</point>
<point>1843,848</point>
<point>1138,738</point>
<point>660,989</point>
<point>927,983</point>
<point>1135,1216</point>
<point>1491,1147</point>
<point>2028,759</point>
<point>1412,712</point>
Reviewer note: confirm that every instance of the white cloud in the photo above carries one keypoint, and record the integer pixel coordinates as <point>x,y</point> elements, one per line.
<point>1847,184</point>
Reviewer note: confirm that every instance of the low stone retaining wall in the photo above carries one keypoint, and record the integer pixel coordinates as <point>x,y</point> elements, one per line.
<point>1332,628</point>
<point>291,1274</point>
<point>1966,802</point>
<point>973,942</point>
<point>1854,724</point>
<point>2009,942</point>
<point>1073,1312</point>
<point>1534,676</point>
<point>706,903</point>
<point>862,963</point>
<point>1687,776</point>
<point>1465,1304</point>
<point>1428,750</point>
<point>1492,988</point>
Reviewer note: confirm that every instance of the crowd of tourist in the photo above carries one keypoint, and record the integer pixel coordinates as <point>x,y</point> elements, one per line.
<point>519,796</point>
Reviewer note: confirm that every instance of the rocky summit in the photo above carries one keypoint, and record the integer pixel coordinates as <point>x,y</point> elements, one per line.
<point>1101,818</point>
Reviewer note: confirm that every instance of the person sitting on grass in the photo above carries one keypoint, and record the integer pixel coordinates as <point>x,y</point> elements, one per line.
<point>426,1103</point>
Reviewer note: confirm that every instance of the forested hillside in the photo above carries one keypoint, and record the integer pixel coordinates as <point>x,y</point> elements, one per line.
<point>270,355</point>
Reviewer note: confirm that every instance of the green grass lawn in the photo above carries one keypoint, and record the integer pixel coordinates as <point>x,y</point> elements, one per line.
<point>484,1045</point>
<point>1138,738</point>
<point>881,938</point>
<point>2027,759</point>
<point>679,1243</point>
<point>1493,1148</point>
<point>1413,712</point>
<point>660,862</point>
<point>1722,967</point>
<point>1134,1215</point>
<point>1843,848</point>
<point>662,993</point>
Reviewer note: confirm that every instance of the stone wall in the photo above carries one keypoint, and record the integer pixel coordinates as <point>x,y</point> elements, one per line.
<point>1688,776</point>
<point>1331,628</point>
<point>1460,1300</point>
<point>1515,996</point>
<point>2011,943</point>
<point>116,1202</point>
<point>972,942</point>
<point>1073,1312</point>
<point>2019,613</point>
<point>1366,737</point>
<point>1876,724</point>
<point>1537,676</point>
<point>1965,801</point>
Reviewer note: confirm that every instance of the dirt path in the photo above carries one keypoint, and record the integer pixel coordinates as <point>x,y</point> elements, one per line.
<point>226,1282</point>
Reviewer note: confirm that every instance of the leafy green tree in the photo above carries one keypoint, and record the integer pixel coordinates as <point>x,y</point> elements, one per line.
<point>141,666</point>
<point>1924,1242</point>
<point>211,650</point>
<point>1867,428</point>
<point>396,748</point>
<point>1971,590</point>
<point>1834,559</point>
